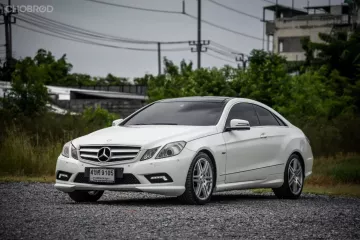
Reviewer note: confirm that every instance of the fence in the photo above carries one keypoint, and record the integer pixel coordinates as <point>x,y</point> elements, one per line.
<point>133,89</point>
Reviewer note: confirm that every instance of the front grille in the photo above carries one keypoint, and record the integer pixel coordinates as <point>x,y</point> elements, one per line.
<point>127,178</point>
<point>118,153</point>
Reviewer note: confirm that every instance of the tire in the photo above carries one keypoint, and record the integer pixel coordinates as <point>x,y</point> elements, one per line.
<point>86,196</point>
<point>293,179</point>
<point>199,187</point>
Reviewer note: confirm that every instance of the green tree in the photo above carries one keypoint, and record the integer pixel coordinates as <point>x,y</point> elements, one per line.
<point>115,81</point>
<point>263,79</point>
<point>28,95</point>
<point>143,81</point>
<point>340,54</point>
<point>183,81</point>
<point>57,70</point>
<point>77,79</point>
<point>99,117</point>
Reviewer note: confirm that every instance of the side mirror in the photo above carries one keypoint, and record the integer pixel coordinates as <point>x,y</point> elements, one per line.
<point>238,124</point>
<point>117,122</point>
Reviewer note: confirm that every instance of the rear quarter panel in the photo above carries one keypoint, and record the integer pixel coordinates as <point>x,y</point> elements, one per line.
<point>296,143</point>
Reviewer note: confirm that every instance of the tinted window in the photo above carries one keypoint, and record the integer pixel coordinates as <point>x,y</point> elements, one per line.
<point>280,121</point>
<point>266,118</point>
<point>179,113</point>
<point>243,111</point>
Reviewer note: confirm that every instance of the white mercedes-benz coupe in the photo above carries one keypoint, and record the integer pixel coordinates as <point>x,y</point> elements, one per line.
<point>188,147</point>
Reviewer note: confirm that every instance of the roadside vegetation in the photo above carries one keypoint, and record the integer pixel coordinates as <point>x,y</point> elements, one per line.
<point>320,95</point>
<point>30,146</point>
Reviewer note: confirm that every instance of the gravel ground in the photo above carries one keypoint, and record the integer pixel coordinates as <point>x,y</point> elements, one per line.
<point>38,211</point>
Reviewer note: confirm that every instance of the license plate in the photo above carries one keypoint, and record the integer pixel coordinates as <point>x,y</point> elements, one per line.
<point>103,175</point>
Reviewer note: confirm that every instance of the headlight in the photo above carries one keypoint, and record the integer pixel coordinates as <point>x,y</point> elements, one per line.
<point>66,151</point>
<point>149,154</point>
<point>171,149</point>
<point>74,153</point>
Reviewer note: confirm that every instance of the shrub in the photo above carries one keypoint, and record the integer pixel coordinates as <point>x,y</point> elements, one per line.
<point>31,147</point>
<point>347,171</point>
<point>98,117</point>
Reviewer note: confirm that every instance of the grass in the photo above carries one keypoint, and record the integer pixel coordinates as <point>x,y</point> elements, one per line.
<point>25,158</point>
<point>43,179</point>
<point>21,155</point>
<point>352,190</point>
<point>338,169</point>
<point>338,176</point>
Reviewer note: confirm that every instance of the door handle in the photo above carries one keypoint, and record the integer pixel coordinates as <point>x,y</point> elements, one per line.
<point>263,135</point>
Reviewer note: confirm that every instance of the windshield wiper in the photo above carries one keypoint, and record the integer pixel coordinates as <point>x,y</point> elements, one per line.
<point>155,124</point>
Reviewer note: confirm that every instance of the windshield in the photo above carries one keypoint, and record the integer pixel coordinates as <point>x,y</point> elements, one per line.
<point>179,113</point>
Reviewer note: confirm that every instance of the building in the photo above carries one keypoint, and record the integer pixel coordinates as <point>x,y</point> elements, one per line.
<point>123,100</point>
<point>289,26</point>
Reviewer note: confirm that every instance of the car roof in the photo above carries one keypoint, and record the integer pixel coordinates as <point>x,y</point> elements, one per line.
<point>198,99</point>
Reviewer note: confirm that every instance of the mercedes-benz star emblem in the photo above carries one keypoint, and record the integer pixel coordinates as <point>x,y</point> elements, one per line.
<point>104,154</point>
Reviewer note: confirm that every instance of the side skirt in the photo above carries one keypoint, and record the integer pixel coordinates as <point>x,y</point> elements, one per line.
<point>272,181</point>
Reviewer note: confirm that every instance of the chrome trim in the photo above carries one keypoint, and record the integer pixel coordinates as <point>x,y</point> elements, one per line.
<point>118,153</point>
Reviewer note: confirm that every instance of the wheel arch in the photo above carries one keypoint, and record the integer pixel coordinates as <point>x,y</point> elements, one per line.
<point>211,156</point>
<point>301,159</point>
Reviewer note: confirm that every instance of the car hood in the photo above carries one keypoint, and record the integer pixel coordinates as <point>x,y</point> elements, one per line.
<point>145,136</point>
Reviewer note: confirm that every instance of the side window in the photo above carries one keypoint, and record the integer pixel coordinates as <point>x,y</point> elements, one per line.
<point>281,122</point>
<point>266,118</point>
<point>243,111</point>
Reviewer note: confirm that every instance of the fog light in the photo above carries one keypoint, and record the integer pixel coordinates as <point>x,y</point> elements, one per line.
<point>64,176</point>
<point>158,178</point>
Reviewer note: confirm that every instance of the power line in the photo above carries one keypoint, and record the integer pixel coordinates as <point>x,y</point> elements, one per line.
<point>183,12</point>
<point>223,53</point>
<point>94,34</point>
<point>135,8</point>
<point>63,29</point>
<point>217,57</point>
<point>226,29</point>
<point>233,51</point>
<point>267,1</point>
<point>234,10</point>
<point>75,39</point>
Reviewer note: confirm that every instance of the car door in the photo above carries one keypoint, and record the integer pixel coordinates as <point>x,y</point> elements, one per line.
<point>274,132</point>
<point>244,148</point>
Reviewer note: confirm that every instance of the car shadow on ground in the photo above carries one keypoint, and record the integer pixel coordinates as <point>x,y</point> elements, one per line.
<point>173,201</point>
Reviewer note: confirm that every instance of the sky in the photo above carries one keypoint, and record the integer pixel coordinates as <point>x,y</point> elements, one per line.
<point>149,26</point>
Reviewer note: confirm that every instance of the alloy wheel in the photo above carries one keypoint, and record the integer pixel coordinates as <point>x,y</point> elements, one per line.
<point>202,179</point>
<point>295,176</point>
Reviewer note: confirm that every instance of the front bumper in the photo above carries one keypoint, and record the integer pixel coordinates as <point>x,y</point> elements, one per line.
<point>176,167</point>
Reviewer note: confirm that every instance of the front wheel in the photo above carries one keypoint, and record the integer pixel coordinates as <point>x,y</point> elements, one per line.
<point>293,179</point>
<point>86,196</point>
<point>200,180</point>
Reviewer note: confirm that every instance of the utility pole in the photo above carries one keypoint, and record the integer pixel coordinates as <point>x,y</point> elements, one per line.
<point>10,32</point>
<point>242,59</point>
<point>159,57</point>
<point>199,43</point>
<point>199,46</point>
<point>7,12</point>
